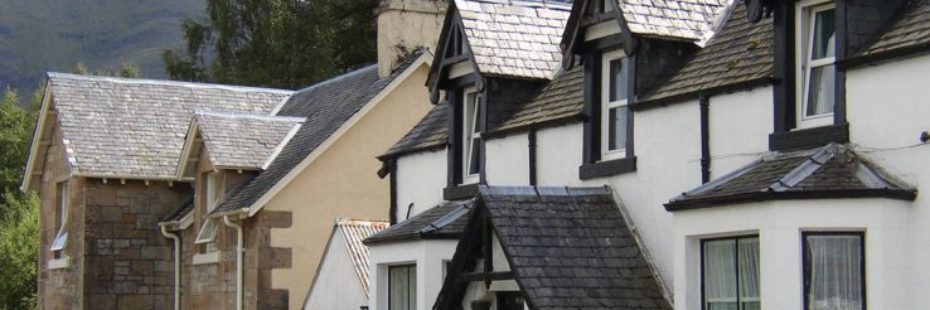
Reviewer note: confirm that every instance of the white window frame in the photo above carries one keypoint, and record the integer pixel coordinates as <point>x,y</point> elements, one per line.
<point>471,133</point>
<point>64,206</point>
<point>804,40</point>
<point>207,233</point>
<point>606,105</point>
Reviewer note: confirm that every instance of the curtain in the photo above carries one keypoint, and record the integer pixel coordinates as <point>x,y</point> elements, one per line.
<point>719,281</point>
<point>749,273</point>
<point>835,272</point>
<point>402,287</point>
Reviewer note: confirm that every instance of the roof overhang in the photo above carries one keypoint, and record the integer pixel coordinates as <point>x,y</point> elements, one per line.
<point>39,132</point>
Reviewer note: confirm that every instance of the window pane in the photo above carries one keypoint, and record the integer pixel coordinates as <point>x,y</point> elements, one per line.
<point>824,34</point>
<point>821,90</point>
<point>834,264</point>
<point>616,128</point>
<point>618,81</point>
<point>748,269</point>
<point>474,163</point>
<point>402,287</point>
<point>719,280</point>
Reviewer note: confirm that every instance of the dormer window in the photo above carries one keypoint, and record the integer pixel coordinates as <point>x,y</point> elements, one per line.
<point>207,234</point>
<point>816,43</point>
<point>471,138</point>
<point>614,99</point>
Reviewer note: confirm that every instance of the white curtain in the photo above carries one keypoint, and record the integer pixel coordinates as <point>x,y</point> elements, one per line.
<point>403,288</point>
<point>749,273</point>
<point>719,282</point>
<point>835,272</point>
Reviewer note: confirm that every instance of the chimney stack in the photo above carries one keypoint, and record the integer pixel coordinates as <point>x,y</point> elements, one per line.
<point>403,26</point>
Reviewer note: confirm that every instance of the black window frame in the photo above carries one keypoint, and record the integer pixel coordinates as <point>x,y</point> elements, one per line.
<point>456,189</point>
<point>392,267</point>
<point>736,239</point>
<point>805,258</point>
<point>785,135</point>
<point>592,166</point>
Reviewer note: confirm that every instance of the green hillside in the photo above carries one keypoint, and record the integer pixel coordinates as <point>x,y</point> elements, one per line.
<point>52,35</point>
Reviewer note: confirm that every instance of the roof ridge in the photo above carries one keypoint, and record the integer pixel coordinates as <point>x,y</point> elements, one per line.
<point>122,80</point>
<point>253,116</point>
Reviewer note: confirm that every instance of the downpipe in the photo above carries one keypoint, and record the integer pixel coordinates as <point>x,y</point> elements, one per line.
<point>239,251</point>
<point>177,265</point>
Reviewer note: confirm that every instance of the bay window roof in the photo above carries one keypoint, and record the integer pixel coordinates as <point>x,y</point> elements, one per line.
<point>832,171</point>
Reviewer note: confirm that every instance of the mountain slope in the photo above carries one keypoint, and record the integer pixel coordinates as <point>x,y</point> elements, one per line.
<point>53,35</point>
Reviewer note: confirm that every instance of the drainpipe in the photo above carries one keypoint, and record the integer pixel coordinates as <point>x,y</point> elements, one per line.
<point>704,101</point>
<point>177,265</point>
<point>239,251</point>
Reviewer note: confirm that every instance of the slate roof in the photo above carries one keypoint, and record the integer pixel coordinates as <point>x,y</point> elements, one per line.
<point>135,128</point>
<point>430,133</point>
<point>833,171</point>
<point>515,38</point>
<point>236,140</point>
<point>180,212</point>
<point>354,232</point>
<point>911,29</point>
<point>683,19</point>
<point>570,248</point>
<point>561,99</point>
<point>741,52</point>
<point>326,106</point>
<point>445,221</point>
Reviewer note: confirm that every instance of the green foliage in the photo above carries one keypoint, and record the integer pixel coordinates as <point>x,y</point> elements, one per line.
<point>19,243</point>
<point>275,43</point>
<point>15,132</point>
<point>126,69</point>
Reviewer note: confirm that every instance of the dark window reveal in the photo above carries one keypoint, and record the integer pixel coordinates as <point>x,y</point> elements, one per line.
<point>510,301</point>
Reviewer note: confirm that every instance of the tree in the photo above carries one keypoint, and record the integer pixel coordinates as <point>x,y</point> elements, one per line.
<point>275,43</point>
<point>19,243</point>
<point>15,132</point>
<point>126,69</point>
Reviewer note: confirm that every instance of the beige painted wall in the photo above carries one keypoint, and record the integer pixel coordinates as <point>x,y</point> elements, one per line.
<point>342,182</point>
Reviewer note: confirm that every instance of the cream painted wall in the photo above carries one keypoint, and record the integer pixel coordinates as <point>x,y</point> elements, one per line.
<point>342,182</point>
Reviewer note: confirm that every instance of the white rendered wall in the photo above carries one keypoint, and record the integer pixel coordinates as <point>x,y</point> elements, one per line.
<point>509,164</point>
<point>888,106</point>
<point>430,256</point>
<point>740,124</point>
<point>420,180</point>
<point>337,285</point>
<point>558,154</point>
<point>779,225</point>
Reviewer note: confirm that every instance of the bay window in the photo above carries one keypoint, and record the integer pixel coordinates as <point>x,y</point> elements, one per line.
<point>730,274</point>
<point>816,43</point>
<point>471,137</point>
<point>402,287</point>
<point>614,109</point>
<point>834,271</point>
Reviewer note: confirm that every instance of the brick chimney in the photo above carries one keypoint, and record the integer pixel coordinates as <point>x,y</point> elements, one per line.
<point>404,25</point>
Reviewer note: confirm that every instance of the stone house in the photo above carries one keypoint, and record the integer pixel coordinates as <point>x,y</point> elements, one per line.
<point>202,196</point>
<point>680,154</point>
<point>103,161</point>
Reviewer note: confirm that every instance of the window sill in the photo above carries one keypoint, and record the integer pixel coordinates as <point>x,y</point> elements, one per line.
<point>808,138</point>
<point>60,263</point>
<point>460,192</point>
<point>206,258</point>
<point>607,168</point>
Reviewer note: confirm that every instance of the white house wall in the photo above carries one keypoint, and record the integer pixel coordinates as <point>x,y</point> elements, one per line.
<point>558,155</point>
<point>430,257</point>
<point>420,180</point>
<point>779,225</point>
<point>337,285</point>
<point>887,107</point>
<point>740,124</point>
<point>509,166</point>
